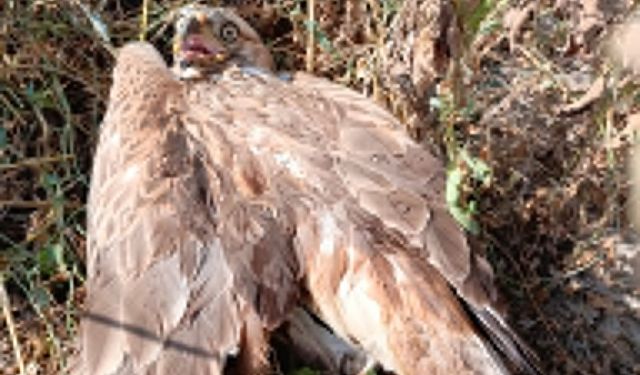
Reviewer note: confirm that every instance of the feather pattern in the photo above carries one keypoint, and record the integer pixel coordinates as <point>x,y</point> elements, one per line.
<point>217,204</point>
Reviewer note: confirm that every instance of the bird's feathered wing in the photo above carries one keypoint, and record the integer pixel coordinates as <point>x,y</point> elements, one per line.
<point>183,270</point>
<point>386,264</point>
<point>215,205</point>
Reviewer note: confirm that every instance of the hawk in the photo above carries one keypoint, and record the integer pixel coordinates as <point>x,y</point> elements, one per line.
<point>225,196</point>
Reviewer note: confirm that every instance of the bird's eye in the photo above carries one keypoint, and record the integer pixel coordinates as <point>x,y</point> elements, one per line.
<point>229,32</point>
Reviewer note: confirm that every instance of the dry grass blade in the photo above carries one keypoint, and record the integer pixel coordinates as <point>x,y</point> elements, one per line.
<point>8,318</point>
<point>35,162</point>
<point>144,20</point>
<point>311,30</point>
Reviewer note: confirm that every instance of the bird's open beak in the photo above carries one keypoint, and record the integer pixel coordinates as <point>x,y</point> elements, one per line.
<point>197,46</point>
<point>199,49</point>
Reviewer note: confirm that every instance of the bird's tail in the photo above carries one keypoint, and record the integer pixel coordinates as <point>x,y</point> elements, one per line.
<point>507,346</point>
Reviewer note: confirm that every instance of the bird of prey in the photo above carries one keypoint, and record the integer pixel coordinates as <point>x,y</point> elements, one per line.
<point>224,196</point>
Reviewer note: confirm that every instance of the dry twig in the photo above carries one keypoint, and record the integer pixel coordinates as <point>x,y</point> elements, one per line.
<point>35,162</point>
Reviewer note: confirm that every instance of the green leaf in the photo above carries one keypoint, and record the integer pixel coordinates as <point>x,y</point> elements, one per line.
<point>454,180</point>
<point>480,170</point>
<point>51,259</point>
<point>40,297</point>
<point>465,218</point>
<point>464,211</point>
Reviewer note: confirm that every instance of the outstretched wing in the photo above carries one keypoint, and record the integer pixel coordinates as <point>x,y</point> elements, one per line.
<point>173,288</point>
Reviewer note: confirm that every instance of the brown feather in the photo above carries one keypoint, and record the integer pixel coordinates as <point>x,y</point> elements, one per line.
<point>177,256</point>
<point>215,204</point>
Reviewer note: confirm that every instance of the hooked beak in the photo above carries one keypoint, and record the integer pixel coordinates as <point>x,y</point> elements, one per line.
<point>197,46</point>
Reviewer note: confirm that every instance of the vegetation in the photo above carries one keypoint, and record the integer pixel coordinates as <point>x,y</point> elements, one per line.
<point>531,115</point>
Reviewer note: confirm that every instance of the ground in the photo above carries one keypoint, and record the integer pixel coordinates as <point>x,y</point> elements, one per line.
<point>524,100</point>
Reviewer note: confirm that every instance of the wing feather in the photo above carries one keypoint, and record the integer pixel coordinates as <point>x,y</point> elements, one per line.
<point>210,202</point>
<point>173,278</point>
<point>414,203</point>
<point>366,207</point>
<point>334,141</point>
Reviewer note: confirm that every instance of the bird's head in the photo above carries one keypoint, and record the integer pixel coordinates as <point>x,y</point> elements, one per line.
<point>208,40</point>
